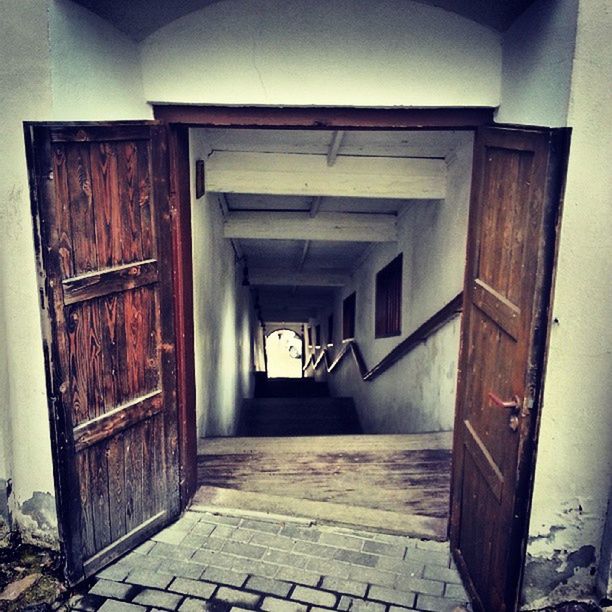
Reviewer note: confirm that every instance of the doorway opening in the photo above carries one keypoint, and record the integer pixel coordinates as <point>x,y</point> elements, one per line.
<point>284,354</point>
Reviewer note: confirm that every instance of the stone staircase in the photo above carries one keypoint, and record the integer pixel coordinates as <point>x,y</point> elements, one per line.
<point>297,407</point>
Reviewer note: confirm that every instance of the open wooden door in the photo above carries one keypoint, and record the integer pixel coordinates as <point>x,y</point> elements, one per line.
<point>514,213</point>
<point>103,234</point>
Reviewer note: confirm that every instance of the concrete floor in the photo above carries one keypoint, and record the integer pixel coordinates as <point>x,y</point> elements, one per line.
<point>232,561</point>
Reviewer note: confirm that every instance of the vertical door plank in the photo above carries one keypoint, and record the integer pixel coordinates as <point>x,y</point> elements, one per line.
<point>134,467</point>
<point>129,196</point>
<point>81,209</point>
<point>147,228</point>
<point>117,487</point>
<point>62,229</point>
<point>99,499</point>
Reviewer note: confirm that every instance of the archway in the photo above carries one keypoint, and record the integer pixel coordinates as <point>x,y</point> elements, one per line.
<point>284,354</point>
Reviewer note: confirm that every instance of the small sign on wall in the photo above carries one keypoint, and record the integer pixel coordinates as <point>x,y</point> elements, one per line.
<point>199,178</point>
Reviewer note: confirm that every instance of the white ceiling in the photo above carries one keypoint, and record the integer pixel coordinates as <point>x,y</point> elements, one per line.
<point>312,257</point>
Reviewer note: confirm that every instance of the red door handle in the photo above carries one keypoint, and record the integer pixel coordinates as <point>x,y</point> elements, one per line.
<point>513,404</point>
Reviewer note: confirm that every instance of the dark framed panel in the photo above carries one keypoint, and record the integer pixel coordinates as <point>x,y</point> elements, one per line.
<point>349,307</point>
<point>388,300</point>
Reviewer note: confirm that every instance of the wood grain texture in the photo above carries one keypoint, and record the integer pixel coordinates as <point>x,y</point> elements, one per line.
<point>104,216</point>
<point>393,473</point>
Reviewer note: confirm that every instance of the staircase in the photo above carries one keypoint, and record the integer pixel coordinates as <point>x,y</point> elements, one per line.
<point>297,407</point>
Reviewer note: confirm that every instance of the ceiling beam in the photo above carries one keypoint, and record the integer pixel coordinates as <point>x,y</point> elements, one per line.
<point>315,205</point>
<point>309,175</point>
<point>289,278</point>
<point>334,147</point>
<point>223,205</point>
<point>289,315</point>
<point>342,227</point>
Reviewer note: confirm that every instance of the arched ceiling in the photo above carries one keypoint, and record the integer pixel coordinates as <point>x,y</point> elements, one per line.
<point>139,18</point>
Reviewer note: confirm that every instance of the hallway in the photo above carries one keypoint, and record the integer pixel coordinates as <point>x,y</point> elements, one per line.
<point>399,483</point>
<point>240,561</point>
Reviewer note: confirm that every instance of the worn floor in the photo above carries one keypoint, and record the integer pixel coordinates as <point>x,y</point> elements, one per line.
<point>400,481</point>
<point>224,562</point>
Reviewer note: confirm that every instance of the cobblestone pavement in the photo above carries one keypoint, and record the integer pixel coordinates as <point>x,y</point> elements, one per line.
<point>224,563</point>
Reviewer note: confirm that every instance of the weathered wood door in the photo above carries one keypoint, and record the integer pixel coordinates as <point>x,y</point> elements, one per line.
<point>102,225</point>
<point>514,211</point>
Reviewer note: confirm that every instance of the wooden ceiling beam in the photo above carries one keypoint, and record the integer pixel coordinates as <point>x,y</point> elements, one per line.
<point>334,147</point>
<point>309,175</point>
<point>289,278</point>
<point>338,227</point>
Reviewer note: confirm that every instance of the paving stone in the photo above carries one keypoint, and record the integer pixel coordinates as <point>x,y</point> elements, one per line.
<point>314,596</point>
<point>349,587</point>
<point>330,567</point>
<point>224,576</point>
<point>159,599</point>
<point>359,605</point>
<point>110,605</point>
<point>112,589</point>
<point>194,605</point>
<point>357,558</point>
<point>220,519</point>
<point>203,529</point>
<point>184,569</point>
<point>433,545</point>
<point>171,535</point>
<point>341,541</point>
<point>430,603</point>
<point>445,574</point>
<point>197,588</point>
<point>314,549</point>
<point>149,578</point>
<point>420,585</point>
<point>114,572</point>
<point>280,557</point>
<point>398,609</point>
<point>243,535</point>
<point>300,576</point>
<point>371,576</point>
<point>236,597</point>
<point>427,557</point>
<point>224,531</point>
<point>136,561</point>
<point>455,591</point>
<point>399,566</point>
<point>318,609</point>
<point>273,604</point>
<point>241,549</point>
<point>172,551</point>
<point>273,540</point>
<point>265,526</point>
<point>384,548</point>
<point>300,533</point>
<point>145,547</point>
<point>213,557</point>
<point>255,567</point>
<point>268,586</point>
<point>392,596</point>
<point>85,603</point>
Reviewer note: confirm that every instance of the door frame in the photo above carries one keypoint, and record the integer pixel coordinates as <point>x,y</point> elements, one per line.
<point>179,119</point>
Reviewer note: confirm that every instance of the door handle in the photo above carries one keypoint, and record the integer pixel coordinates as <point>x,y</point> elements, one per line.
<point>513,404</point>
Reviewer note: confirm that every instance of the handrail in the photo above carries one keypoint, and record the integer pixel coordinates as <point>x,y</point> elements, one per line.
<point>434,323</point>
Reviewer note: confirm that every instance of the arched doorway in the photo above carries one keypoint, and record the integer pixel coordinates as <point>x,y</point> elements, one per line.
<point>284,354</point>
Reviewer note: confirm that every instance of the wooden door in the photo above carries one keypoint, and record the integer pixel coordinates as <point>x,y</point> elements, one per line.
<point>102,227</point>
<point>514,211</point>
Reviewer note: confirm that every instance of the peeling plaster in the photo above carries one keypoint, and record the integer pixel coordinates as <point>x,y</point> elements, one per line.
<point>562,576</point>
<point>35,519</point>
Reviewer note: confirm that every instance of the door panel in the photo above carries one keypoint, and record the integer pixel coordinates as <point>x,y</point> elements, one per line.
<point>514,211</point>
<point>103,226</point>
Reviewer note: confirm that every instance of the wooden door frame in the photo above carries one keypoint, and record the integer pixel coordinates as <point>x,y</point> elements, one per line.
<point>179,119</point>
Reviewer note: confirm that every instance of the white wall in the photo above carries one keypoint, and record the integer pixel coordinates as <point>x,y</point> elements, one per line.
<point>95,69</point>
<point>25,93</point>
<point>538,52</point>
<point>574,463</point>
<point>418,393</point>
<point>223,317</point>
<point>337,52</point>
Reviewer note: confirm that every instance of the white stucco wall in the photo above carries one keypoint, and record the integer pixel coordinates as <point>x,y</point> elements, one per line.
<point>537,60</point>
<point>25,93</point>
<point>95,69</point>
<point>574,462</point>
<point>418,393</point>
<point>337,52</point>
<point>223,318</point>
